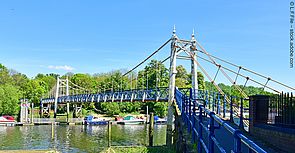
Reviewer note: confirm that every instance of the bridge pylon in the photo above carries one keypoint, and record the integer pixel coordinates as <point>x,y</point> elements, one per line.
<point>62,89</point>
<point>178,46</point>
<point>171,98</point>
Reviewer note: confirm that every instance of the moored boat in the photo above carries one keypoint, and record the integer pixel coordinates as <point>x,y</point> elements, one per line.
<point>91,120</point>
<point>160,120</point>
<point>130,120</point>
<point>7,120</point>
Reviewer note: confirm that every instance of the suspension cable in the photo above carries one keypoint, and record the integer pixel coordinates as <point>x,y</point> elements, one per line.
<point>207,75</point>
<point>237,87</point>
<point>239,74</point>
<point>248,70</point>
<point>148,57</point>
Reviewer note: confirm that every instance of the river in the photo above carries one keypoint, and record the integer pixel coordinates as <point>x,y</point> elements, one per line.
<point>76,138</point>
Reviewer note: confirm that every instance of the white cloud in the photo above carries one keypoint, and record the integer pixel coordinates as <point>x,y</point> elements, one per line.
<point>61,67</point>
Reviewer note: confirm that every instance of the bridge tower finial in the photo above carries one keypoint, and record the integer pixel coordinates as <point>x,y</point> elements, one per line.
<point>174,30</point>
<point>193,39</point>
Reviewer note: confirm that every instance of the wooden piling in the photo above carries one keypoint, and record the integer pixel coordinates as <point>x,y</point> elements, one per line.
<point>52,130</point>
<point>109,134</point>
<point>151,130</point>
<point>32,112</point>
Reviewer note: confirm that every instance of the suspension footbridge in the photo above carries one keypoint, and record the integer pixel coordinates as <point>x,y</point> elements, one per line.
<point>205,115</point>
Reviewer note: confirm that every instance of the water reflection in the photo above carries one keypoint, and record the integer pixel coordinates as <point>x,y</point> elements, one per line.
<point>76,138</point>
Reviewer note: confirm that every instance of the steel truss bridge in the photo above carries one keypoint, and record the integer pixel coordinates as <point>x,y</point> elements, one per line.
<point>135,95</point>
<point>205,113</point>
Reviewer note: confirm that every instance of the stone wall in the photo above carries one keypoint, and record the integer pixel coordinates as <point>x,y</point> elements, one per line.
<point>281,138</point>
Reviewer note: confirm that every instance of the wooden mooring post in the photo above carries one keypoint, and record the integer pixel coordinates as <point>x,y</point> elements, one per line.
<point>52,130</point>
<point>151,130</point>
<point>109,134</point>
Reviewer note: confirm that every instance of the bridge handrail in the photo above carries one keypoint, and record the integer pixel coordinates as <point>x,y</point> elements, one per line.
<point>183,100</point>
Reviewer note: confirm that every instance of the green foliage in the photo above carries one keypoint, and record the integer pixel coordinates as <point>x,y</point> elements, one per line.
<point>8,99</point>
<point>182,77</point>
<point>160,109</point>
<point>4,75</point>
<point>48,79</point>
<point>201,81</point>
<point>84,111</point>
<point>155,74</point>
<point>34,90</point>
<point>84,80</point>
<point>110,108</point>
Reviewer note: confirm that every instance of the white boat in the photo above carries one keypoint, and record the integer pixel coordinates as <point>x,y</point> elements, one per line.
<point>161,121</point>
<point>129,120</point>
<point>7,120</point>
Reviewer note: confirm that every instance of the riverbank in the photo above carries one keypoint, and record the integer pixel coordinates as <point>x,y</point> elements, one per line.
<point>113,149</point>
<point>137,149</point>
<point>28,151</point>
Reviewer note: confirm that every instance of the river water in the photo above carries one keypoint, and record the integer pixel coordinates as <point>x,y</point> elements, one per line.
<point>76,138</point>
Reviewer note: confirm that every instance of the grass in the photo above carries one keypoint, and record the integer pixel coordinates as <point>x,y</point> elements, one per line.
<point>138,149</point>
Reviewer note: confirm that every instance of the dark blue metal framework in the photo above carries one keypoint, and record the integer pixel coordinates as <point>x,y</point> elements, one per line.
<point>202,128</point>
<point>158,94</point>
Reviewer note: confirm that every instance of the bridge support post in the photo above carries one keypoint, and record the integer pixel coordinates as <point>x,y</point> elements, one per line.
<point>224,106</point>
<point>218,103</point>
<point>241,125</point>
<point>211,133</point>
<point>237,142</point>
<point>32,112</point>
<point>200,129</point>
<point>190,111</point>
<point>151,130</point>
<point>67,94</point>
<point>109,134</point>
<point>213,102</point>
<point>194,122</point>
<point>56,97</point>
<point>231,117</point>
<point>41,110</point>
<point>171,98</point>
<point>209,99</point>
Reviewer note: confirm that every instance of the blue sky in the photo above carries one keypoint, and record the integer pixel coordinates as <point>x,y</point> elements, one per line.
<point>99,36</point>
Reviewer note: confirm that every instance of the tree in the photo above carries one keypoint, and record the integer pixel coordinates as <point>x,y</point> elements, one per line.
<point>110,108</point>
<point>34,90</point>
<point>4,75</point>
<point>20,80</point>
<point>9,98</point>
<point>48,79</point>
<point>155,74</point>
<point>181,78</point>
<point>181,72</point>
<point>84,81</point>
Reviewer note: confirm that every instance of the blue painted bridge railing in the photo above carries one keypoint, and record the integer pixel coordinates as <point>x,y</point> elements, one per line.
<point>228,107</point>
<point>158,95</point>
<point>209,131</point>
